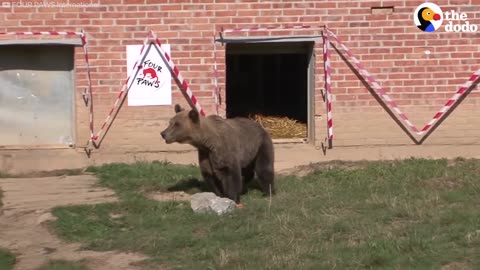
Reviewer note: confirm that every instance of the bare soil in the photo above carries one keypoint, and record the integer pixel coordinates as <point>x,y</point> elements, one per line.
<point>27,203</point>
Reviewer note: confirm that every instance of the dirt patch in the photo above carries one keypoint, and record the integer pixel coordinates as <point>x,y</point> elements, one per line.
<point>30,194</point>
<point>442,183</point>
<point>169,196</point>
<point>27,204</point>
<point>37,174</point>
<point>304,170</point>
<point>456,266</point>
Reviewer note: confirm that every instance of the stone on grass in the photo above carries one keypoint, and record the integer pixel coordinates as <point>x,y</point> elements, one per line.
<point>46,217</point>
<point>208,202</point>
<point>223,206</point>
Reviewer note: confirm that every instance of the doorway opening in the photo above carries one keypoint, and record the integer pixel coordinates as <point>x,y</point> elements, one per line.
<point>272,82</point>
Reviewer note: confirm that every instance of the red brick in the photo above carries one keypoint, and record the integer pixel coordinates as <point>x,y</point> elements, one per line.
<point>271,12</point>
<point>30,10</point>
<point>35,22</point>
<point>18,16</point>
<point>104,22</point>
<point>325,5</point>
<point>257,6</point>
<point>84,15</point>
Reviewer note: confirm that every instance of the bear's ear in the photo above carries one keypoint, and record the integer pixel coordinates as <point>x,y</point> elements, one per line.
<point>178,108</point>
<point>193,114</point>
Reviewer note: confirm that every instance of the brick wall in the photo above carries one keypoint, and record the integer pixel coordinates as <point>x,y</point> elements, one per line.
<point>389,45</point>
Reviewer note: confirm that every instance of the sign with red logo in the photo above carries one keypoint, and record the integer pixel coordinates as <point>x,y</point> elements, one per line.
<point>153,83</point>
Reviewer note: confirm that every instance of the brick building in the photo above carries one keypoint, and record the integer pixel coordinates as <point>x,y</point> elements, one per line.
<point>275,71</point>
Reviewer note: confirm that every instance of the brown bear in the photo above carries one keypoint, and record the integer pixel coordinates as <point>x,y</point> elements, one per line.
<point>230,151</point>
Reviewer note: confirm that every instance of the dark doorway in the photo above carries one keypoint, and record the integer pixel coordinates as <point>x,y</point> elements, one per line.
<point>270,79</point>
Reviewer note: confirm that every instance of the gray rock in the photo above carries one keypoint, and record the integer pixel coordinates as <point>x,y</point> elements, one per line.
<point>223,206</point>
<point>46,217</point>
<point>208,202</point>
<point>200,202</point>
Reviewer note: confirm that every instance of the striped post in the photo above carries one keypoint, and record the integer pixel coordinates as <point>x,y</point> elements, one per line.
<point>216,91</point>
<point>328,88</point>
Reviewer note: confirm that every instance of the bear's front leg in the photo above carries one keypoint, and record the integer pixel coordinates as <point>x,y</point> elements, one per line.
<point>208,174</point>
<point>231,178</point>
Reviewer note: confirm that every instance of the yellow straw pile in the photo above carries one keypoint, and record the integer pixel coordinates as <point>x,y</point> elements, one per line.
<point>281,127</point>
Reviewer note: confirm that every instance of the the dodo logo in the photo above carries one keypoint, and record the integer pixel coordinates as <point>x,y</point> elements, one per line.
<point>428,17</point>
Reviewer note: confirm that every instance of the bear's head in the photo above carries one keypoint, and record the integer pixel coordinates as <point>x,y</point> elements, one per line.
<point>182,127</point>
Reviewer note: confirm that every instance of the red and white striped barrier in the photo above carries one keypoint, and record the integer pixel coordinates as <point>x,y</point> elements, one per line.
<point>45,33</point>
<point>328,88</point>
<point>183,83</point>
<point>381,92</point>
<point>215,75</point>
<point>88,97</point>
<point>120,95</point>
<point>124,91</point>
<point>449,104</point>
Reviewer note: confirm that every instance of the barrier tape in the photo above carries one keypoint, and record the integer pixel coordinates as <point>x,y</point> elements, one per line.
<point>88,91</point>
<point>381,92</point>
<point>215,74</point>
<point>124,89</point>
<point>463,89</point>
<point>183,83</point>
<point>39,33</point>
<point>328,88</point>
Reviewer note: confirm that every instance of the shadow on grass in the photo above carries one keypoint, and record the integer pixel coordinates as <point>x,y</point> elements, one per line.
<point>190,186</point>
<point>195,185</point>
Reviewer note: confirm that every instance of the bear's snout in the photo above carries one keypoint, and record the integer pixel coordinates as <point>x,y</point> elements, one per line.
<point>166,136</point>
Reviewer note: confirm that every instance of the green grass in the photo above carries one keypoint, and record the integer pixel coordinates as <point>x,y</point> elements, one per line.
<point>63,265</point>
<point>7,259</point>
<point>1,196</point>
<point>410,214</point>
<point>4,175</point>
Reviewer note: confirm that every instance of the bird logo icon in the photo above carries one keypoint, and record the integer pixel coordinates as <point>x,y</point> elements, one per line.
<point>428,17</point>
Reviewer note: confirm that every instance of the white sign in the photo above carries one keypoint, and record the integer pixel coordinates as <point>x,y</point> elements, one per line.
<point>153,83</point>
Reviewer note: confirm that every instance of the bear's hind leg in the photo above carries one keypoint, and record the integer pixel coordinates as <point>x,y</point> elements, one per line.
<point>264,168</point>
<point>248,173</point>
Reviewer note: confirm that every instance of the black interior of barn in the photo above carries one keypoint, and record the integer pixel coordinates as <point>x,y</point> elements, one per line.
<point>267,79</point>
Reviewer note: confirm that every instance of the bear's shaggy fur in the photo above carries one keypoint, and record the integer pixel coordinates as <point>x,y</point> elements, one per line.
<point>230,151</point>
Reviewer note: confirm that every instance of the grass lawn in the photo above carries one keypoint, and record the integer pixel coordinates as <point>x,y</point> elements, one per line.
<point>7,259</point>
<point>411,214</point>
